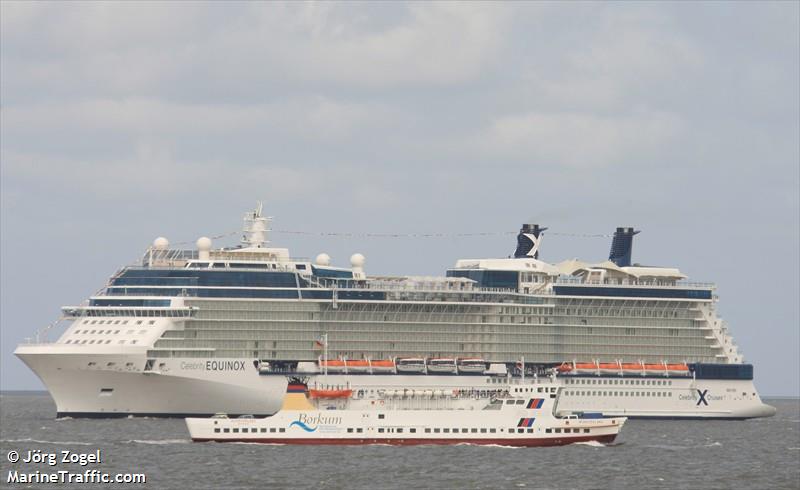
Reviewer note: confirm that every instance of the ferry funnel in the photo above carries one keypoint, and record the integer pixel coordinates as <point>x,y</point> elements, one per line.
<point>622,246</point>
<point>528,241</point>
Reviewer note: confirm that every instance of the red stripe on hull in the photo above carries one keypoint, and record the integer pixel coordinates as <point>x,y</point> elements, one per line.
<point>532,442</point>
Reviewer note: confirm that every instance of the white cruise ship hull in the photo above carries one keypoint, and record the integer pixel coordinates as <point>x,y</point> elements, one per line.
<point>115,384</point>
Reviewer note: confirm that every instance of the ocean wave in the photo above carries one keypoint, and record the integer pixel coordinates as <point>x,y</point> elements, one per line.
<point>158,441</point>
<point>37,441</point>
<point>713,444</point>
<point>667,447</point>
<point>59,419</point>
<point>589,443</point>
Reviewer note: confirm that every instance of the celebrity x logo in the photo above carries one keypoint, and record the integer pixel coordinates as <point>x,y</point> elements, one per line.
<point>702,397</point>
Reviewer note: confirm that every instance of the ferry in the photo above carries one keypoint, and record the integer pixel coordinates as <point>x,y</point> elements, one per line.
<point>191,332</point>
<point>526,418</point>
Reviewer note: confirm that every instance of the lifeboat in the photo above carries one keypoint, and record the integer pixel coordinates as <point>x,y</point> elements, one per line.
<point>333,365</point>
<point>656,368</point>
<point>678,369</point>
<point>442,365</point>
<point>632,366</point>
<point>382,366</point>
<point>564,367</point>
<point>357,365</point>
<point>347,393</point>
<point>411,365</point>
<point>471,365</point>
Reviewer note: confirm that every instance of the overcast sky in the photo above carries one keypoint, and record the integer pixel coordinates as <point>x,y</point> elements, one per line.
<point>121,122</point>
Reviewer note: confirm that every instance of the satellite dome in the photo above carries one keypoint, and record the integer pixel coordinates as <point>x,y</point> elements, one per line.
<point>204,243</point>
<point>323,259</point>
<point>160,243</point>
<point>357,260</point>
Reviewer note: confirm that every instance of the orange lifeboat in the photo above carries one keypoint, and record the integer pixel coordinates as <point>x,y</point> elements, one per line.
<point>332,364</point>
<point>382,365</point>
<point>564,368</point>
<point>631,366</point>
<point>357,365</point>
<point>330,393</point>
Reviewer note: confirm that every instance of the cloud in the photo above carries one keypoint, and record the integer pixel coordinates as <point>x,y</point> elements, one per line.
<point>580,140</point>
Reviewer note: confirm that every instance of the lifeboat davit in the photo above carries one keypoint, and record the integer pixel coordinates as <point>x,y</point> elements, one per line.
<point>347,393</point>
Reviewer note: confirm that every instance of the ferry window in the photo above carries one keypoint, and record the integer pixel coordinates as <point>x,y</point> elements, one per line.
<point>226,430</point>
<point>530,431</point>
<point>263,429</point>
<point>520,431</point>
<point>670,393</point>
<point>93,331</point>
<point>413,431</point>
<point>539,389</point>
<point>399,430</point>
<point>493,431</point>
<point>139,322</point>
<point>359,430</point>
<point>85,322</point>
<point>520,402</point>
<point>350,430</point>
<point>152,322</point>
<point>235,431</point>
<point>108,341</point>
<point>436,431</point>
<point>483,431</point>
<point>427,431</point>
<point>548,431</point>
<point>464,431</point>
<point>216,429</point>
<point>272,429</point>
<point>474,431</point>
<point>120,342</point>
<point>282,429</point>
<point>381,416</point>
<point>244,429</point>
<point>68,342</point>
<point>585,431</point>
<point>93,322</point>
<point>91,341</point>
<point>125,322</point>
<point>446,431</point>
<point>116,332</point>
<point>133,341</point>
<point>558,431</point>
<point>380,430</point>
<point>116,322</point>
<point>509,402</point>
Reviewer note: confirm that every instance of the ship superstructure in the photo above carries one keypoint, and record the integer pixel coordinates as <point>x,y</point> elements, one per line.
<point>207,330</point>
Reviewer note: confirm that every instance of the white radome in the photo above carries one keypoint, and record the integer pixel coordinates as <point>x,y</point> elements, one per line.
<point>160,243</point>
<point>357,260</point>
<point>204,243</point>
<point>323,259</point>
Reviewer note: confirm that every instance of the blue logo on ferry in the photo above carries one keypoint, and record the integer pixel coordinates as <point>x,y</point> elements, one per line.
<point>303,426</point>
<point>702,399</point>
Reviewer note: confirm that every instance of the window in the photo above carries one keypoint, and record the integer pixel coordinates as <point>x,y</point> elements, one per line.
<point>413,431</point>
<point>493,431</point>
<point>399,431</point>
<point>381,416</point>
<point>272,429</point>
<point>427,430</point>
<point>446,431</point>
<point>558,431</point>
<point>226,430</point>
<point>436,431</point>
<point>474,431</point>
<point>483,431</point>
<point>152,322</point>
<point>548,431</point>
<point>216,429</point>
<point>520,431</point>
<point>282,429</point>
<point>359,430</point>
<point>235,431</point>
<point>263,429</point>
<point>530,431</point>
<point>585,431</point>
<point>349,430</point>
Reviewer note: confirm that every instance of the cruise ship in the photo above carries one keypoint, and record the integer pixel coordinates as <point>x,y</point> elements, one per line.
<point>188,333</point>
